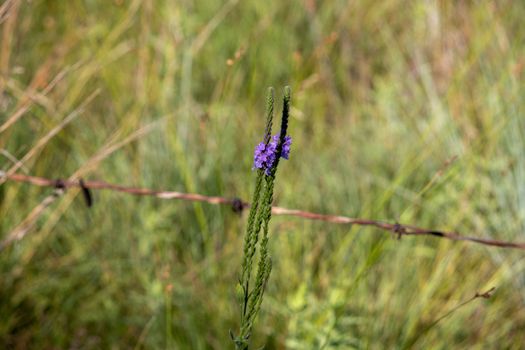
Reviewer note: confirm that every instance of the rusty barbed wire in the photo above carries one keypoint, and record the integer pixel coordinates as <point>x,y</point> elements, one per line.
<point>238,205</point>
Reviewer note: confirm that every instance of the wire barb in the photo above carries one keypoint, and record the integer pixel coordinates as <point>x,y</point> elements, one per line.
<point>237,205</point>
<point>86,193</point>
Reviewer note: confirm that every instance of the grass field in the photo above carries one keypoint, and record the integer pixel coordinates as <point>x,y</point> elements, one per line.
<point>401,111</point>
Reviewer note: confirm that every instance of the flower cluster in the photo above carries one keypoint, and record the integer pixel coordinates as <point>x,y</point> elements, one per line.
<point>265,154</point>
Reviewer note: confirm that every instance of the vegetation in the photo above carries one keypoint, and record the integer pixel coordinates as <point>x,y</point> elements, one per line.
<point>400,112</point>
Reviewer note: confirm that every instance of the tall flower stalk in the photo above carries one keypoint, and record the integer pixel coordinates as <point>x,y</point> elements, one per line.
<point>266,159</point>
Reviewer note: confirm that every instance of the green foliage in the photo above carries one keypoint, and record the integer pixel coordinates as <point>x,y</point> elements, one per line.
<point>385,93</point>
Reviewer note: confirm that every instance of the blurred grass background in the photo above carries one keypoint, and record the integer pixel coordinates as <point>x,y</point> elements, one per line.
<point>385,93</point>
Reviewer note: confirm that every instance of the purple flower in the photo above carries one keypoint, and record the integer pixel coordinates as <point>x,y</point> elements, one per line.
<point>285,152</point>
<point>265,154</point>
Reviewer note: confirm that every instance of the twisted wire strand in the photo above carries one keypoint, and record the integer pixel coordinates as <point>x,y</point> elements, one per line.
<point>238,205</point>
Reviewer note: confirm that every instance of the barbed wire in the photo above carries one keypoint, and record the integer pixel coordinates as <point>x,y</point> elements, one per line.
<point>237,205</point>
